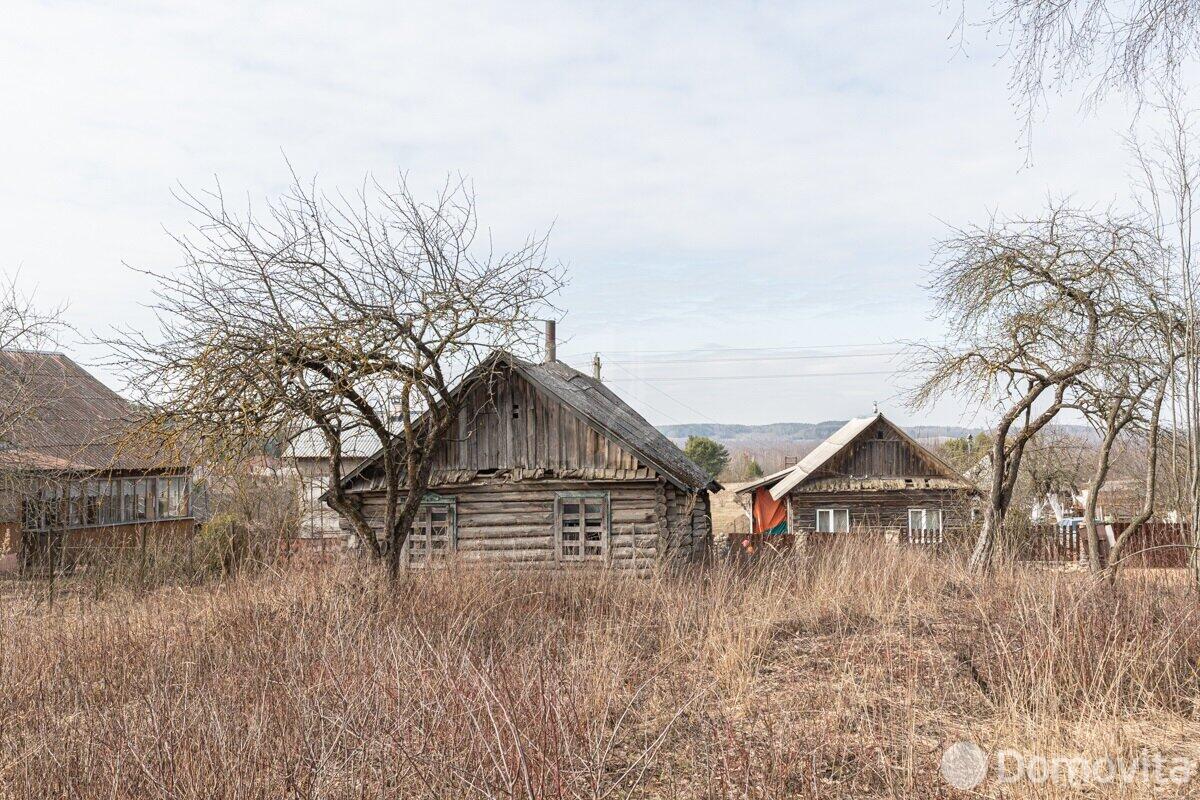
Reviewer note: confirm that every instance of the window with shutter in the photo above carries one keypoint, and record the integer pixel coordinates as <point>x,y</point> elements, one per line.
<point>582,526</point>
<point>432,536</point>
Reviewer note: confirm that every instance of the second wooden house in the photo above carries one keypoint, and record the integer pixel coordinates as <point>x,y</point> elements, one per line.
<point>77,475</point>
<point>868,477</point>
<point>549,469</point>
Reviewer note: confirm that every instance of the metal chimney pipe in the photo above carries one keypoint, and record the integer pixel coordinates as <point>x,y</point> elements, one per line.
<point>551,350</point>
<point>596,367</point>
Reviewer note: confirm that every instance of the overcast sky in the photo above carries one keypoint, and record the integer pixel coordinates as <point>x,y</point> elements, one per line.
<point>718,176</point>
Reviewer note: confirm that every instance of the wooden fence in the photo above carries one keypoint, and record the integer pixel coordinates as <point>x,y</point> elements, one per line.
<point>1156,544</point>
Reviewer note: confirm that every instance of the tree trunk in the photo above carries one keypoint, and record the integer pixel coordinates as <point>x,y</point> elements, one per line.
<point>1149,486</point>
<point>985,543</point>
<point>1099,475</point>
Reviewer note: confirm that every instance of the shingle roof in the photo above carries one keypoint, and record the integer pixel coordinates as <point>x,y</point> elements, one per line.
<point>602,409</point>
<point>68,419</point>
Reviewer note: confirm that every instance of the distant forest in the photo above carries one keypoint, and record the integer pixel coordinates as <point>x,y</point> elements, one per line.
<point>780,432</point>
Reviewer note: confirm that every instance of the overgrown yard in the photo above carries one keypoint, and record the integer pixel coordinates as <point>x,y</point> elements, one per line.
<point>848,677</point>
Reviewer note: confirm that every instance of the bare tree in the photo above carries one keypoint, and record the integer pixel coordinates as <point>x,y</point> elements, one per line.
<point>1127,45</point>
<point>340,314</point>
<point>1169,176</point>
<point>23,326</point>
<point>1025,302</point>
<point>1053,464</point>
<point>1123,395</point>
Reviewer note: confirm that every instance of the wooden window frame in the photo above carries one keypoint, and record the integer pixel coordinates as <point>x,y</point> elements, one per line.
<point>605,555</point>
<point>424,559</point>
<point>924,517</point>
<point>832,511</point>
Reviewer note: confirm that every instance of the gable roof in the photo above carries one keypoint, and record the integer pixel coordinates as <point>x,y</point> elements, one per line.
<point>70,420</point>
<point>600,408</point>
<point>784,481</point>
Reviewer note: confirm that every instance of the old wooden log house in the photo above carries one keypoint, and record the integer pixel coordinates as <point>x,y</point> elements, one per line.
<point>549,469</point>
<point>868,477</point>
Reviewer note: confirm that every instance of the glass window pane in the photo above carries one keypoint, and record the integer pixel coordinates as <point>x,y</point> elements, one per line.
<point>128,506</point>
<point>163,489</point>
<point>75,508</point>
<point>139,492</point>
<point>185,496</point>
<point>91,507</point>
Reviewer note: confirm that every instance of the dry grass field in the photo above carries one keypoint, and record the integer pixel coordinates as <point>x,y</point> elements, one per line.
<point>844,677</point>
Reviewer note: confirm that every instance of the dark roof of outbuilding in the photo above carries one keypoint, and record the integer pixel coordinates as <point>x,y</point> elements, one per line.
<point>602,409</point>
<point>65,419</point>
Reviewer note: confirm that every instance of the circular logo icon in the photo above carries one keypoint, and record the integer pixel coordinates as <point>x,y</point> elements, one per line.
<point>964,765</point>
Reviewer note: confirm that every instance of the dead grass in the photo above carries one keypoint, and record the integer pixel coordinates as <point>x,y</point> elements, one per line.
<point>846,677</point>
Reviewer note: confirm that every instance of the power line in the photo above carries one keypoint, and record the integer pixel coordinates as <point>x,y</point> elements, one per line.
<point>670,417</point>
<point>664,394</point>
<point>758,377</point>
<point>887,343</point>
<point>762,358</point>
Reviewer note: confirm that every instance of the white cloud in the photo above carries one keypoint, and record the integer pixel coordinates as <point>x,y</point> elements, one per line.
<point>750,175</point>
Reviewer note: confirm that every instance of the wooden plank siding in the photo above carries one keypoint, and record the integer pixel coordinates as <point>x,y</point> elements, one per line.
<point>880,453</point>
<point>507,424</point>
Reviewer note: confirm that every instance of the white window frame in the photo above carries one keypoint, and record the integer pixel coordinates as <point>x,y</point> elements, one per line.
<point>418,545</point>
<point>578,549</point>
<point>925,513</point>
<point>832,513</point>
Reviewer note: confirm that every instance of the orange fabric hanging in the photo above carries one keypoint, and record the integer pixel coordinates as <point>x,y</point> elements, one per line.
<point>770,515</point>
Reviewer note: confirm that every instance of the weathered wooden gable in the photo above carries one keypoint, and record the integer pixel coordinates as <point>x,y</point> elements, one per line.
<point>881,451</point>
<point>507,423</point>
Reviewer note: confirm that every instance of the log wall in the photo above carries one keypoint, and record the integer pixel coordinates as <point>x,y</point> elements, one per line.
<point>514,522</point>
<point>880,510</point>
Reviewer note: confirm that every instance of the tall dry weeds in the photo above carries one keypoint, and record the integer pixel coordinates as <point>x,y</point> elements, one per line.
<point>846,676</point>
